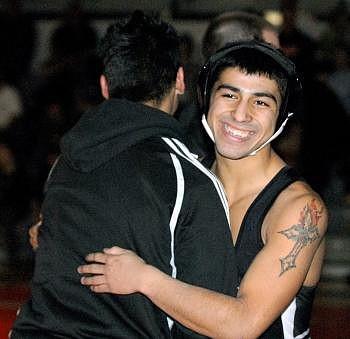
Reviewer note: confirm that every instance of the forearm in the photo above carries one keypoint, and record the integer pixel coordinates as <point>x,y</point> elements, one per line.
<point>203,311</point>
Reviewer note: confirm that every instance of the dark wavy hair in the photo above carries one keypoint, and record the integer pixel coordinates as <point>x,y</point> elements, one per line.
<point>141,58</point>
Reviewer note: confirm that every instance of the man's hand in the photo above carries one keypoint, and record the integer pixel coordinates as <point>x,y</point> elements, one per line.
<point>115,270</point>
<point>34,234</point>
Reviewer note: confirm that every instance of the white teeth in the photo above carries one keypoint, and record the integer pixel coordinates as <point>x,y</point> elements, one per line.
<point>235,132</point>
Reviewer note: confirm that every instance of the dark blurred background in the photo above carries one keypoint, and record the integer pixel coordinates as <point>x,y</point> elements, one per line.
<point>49,75</point>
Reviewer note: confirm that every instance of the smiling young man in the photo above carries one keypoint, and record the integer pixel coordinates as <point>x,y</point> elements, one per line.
<point>247,92</point>
<point>247,96</point>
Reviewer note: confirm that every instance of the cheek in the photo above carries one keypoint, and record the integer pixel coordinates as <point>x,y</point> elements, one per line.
<point>269,122</point>
<point>210,118</point>
<point>214,113</point>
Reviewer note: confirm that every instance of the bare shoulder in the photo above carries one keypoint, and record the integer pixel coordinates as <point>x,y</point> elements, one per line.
<point>298,208</point>
<point>294,230</point>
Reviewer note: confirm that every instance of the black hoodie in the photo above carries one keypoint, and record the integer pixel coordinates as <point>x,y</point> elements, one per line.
<point>125,179</point>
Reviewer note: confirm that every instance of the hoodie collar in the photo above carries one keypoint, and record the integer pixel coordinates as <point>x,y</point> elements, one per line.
<point>111,128</point>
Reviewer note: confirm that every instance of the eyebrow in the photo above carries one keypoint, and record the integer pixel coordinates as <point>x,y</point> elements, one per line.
<point>238,90</point>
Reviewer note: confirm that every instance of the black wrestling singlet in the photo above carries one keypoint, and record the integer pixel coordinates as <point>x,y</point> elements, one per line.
<point>294,322</point>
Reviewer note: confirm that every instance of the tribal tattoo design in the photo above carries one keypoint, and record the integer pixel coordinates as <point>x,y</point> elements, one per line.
<point>303,233</point>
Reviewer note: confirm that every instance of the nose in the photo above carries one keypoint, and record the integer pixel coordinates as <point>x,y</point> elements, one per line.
<point>241,111</point>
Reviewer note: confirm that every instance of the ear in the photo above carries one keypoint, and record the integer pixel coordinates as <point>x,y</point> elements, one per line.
<point>180,81</point>
<point>104,86</point>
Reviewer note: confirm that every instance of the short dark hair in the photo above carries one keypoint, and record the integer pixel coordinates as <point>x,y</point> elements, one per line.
<point>250,62</point>
<point>141,58</point>
<point>233,26</point>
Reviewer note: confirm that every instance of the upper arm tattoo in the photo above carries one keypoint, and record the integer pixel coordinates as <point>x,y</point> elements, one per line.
<point>303,233</point>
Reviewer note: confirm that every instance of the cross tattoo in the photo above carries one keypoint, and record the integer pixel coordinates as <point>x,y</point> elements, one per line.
<point>303,233</point>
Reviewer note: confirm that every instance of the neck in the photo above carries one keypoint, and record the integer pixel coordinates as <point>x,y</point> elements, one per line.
<point>248,174</point>
<point>168,104</point>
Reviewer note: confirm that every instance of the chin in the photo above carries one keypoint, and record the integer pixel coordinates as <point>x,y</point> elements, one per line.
<point>232,156</point>
<point>227,152</point>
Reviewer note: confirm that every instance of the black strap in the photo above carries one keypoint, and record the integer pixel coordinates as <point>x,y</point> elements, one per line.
<point>257,211</point>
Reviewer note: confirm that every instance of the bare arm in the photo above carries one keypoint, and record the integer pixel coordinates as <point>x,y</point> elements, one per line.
<point>123,272</point>
<point>292,256</point>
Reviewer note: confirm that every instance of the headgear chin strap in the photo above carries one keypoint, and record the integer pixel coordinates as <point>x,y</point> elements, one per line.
<point>207,128</point>
<point>273,136</point>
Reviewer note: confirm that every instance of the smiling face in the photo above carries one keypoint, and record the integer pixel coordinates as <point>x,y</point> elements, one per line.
<point>243,112</point>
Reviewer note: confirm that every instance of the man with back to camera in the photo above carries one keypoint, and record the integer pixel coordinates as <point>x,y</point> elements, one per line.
<point>123,163</point>
<point>248,91</point>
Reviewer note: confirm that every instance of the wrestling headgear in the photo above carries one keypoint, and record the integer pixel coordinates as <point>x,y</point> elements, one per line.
<point>292,93</point>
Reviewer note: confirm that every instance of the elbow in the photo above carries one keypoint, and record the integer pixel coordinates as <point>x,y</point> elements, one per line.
<point>246,331</point>
<point>243,331</point>
<point>243,322</point>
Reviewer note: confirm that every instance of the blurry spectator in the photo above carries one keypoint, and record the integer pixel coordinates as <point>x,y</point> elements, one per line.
<point>30,145</point>
<point>325,125</point>
<point>67,86</point>
<point>33,139</point>
<point>339,79</point>
<point>71,41</point>
<point>191,68</point>
<point>237,25</point>
<point>17,41</point>
<point>14,208</point>
<point>10,104</point>
<point>335,52</point>
<point>338,32</point>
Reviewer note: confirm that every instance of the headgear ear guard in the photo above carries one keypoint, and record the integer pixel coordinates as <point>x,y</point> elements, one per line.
<point>292,93</point>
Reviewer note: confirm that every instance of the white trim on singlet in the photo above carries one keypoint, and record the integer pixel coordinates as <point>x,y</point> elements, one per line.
<point>305,335</point>
<point>175,215</point>
<point>288,317</point>
<point>184,152</point>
